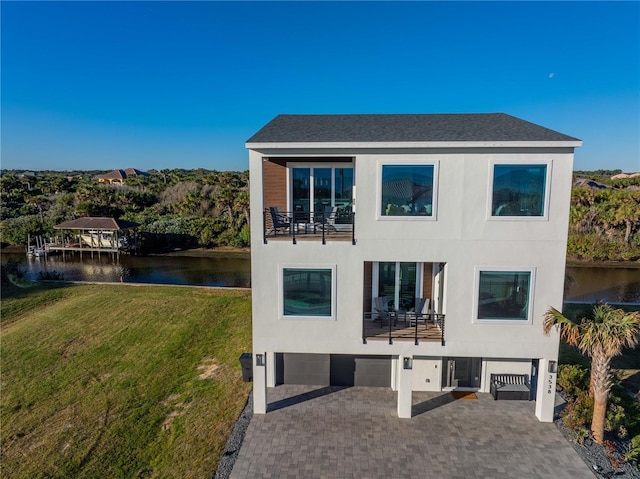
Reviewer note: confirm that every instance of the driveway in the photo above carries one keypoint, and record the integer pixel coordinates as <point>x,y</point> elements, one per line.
<point>341,433</point>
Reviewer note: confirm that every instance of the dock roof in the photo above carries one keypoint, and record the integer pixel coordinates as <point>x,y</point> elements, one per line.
<point>97,223</point>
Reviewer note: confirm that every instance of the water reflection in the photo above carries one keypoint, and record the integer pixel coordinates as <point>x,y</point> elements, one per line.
<point>583,283</point>
<point>229,271</point>
<point>603,284</point>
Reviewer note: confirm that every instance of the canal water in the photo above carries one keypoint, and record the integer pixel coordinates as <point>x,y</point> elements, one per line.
<point>226,270</point>
<point>234,270</point>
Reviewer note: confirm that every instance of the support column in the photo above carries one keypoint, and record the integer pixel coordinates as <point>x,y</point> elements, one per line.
<point>271,370</point>
<point>259,383</point>
<point>546,393</point>
<point>404,383</point>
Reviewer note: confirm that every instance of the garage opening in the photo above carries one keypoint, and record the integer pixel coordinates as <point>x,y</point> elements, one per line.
<point>333,369</point>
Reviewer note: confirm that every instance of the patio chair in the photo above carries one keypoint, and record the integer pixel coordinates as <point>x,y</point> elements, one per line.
<point>420,311</point>
<point>279,220</point>
<point>328,219</point>
<point>381,310</point>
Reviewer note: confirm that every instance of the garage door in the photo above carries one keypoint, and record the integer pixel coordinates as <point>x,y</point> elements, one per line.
<point>334,369</point>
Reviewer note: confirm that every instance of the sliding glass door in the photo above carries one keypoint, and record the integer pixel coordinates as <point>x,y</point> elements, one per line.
<point>400,282</point>
<point>313,188</point>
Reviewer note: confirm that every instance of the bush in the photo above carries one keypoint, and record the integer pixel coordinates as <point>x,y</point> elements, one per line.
<point>632,452</point>
<point>579,411</point>
<point>573,379</point>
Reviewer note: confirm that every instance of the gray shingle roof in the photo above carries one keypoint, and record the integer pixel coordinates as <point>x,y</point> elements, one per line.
<point>403,128</point>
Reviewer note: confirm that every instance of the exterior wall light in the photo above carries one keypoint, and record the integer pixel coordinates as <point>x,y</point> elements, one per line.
<point>259,359</point>
<point>553,366</point>
<point>407,363</point>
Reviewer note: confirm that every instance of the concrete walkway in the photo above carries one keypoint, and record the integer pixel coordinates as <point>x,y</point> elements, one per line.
<point>342,433</point>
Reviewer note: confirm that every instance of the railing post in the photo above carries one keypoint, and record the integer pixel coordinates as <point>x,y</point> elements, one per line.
<point>264,226</point>
<point>324,227</point>
<point>390,327</point>
<point>353,228</point>
<point>442,331</point>
<point>416,333</point>
<point>292,226</point>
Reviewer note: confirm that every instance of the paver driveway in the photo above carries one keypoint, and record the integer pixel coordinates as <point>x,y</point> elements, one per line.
<point>341,433</point>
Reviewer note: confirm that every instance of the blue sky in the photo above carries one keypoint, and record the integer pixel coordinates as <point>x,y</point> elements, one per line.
<point>103,85</point>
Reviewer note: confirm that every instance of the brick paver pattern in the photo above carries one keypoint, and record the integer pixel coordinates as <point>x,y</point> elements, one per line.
<point>342,433</point>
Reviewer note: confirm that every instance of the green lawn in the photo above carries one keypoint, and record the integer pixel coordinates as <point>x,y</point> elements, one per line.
<point>120,380</point>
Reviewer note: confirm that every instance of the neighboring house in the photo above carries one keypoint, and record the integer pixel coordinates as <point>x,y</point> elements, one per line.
<point>117,177</point>
<point>415,252</point>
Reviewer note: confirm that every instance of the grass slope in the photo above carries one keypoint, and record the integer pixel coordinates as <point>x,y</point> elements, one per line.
<point>120,381</point>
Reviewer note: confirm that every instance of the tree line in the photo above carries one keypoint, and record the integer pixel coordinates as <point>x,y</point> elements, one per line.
<point>604,220</point>
<point>176,208</point>
<point>208,208</point>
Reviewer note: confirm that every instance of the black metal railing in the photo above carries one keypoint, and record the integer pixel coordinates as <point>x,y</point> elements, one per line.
<point>403,326</point>
<point>338,225</point>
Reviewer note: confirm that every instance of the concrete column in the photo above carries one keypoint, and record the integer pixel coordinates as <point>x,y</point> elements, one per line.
<point>404,383</point>
<point>394,373</point>
<point>259,383</point>
<point>271,370</point>
<point>546,393</point>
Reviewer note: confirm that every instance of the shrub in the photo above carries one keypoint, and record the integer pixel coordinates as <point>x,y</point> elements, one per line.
<point>632,453</point>
<point>581,435</point>
<point>615,420</point>
<point>573,378</point>
<point>579,411</point>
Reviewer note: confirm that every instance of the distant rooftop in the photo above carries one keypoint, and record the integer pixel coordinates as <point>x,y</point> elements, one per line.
<point>454,127</point>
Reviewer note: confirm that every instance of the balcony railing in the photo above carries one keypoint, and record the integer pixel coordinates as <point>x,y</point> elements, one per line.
<point>403,326</point>
<point>299,225</point>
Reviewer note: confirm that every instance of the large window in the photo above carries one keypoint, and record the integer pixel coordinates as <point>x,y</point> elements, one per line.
<point>519,190</point>
<point>407,190</point>
<point>504,295</point>
<point>314,188</point>
<point>307,292</point>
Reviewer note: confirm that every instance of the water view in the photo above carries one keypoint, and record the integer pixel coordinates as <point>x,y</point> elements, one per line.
<point>234,270</point>
<point>226,270</point>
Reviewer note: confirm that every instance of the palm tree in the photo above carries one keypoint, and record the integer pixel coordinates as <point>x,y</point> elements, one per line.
<point>601,337</point>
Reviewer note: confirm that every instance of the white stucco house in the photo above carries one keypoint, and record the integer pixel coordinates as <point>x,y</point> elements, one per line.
<point>415,252</point>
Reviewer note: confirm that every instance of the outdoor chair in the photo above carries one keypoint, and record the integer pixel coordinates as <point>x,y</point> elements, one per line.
<point>328,219</point>
<point>420,311</point>
<point>279,220</point>
<point>381,310</point>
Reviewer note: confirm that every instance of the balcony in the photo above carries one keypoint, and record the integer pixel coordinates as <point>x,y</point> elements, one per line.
<point>330,225</point>
<point>403,326</point>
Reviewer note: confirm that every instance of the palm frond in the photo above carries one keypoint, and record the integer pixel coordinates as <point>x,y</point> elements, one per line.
<point>569,331</point>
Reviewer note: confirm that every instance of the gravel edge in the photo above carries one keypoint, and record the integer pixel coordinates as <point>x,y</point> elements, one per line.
<point>230,454</point>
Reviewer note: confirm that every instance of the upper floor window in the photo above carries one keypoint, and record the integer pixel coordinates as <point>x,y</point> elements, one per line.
<point>519,190</point>
<point>314,188</point>
<point>504,295</point>
<point>407,190</point>
<point>308,292</point>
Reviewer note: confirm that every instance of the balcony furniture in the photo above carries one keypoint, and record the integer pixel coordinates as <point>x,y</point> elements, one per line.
<point>280,221</point>
<point>419,312</point>
<point>510,386</point>
<point>381,311</point>
<point>326,221</point>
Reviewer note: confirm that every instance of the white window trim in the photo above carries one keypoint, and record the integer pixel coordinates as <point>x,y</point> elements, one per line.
<point>334,290</point>
<point>547,189</point>
<point>408,162</point>
<point>509,269</point>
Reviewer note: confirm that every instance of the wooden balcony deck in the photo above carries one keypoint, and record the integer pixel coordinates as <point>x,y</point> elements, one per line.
<point>311,236</point>
<point>429,329</point>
